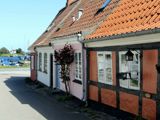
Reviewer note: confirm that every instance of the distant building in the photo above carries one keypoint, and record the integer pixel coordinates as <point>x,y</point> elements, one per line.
<point>13,51</point>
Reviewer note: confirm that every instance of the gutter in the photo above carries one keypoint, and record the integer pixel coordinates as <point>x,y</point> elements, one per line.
<point>139,33</point>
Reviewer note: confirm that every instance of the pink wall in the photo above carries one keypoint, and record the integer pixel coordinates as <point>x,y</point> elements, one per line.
<point>76,89</point>
<point>33,75</point>
<point>33,70</point>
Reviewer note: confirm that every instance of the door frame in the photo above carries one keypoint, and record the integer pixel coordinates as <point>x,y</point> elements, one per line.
<point>51,71</point>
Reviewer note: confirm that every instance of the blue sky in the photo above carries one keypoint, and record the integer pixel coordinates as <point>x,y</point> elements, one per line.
<point>23,21</point>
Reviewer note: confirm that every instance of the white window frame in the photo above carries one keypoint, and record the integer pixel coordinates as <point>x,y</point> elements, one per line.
<point>104,66</point>
<point>128,81</point>
<point>45,62</point>
<point>77,67</point>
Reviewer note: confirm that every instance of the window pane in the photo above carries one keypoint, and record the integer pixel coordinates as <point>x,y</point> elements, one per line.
<point>124,83</point>
<point>135,72</point>
<point>80,76</point>
<point>78,62</point>
<point>45,62</point>
<point>80,57</point>
<point>105,67</point>
<point>108,68</point>
<point>132,69</point>
<point>100,68</point>
<point>100,58</point>
<point>101,75</point>
<point>124,64</point>
<point>40,61</point>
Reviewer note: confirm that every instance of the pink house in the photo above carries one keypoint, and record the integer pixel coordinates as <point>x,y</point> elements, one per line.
<point>78,19</point>
<point>81,22</point>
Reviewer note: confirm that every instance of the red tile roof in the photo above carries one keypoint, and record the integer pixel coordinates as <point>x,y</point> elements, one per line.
<point>88,21</point>
<point>130,16</point>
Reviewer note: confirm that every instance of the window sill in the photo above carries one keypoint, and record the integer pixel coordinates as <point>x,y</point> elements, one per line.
<point>106,83</point>
<point>129,90</point>
<point>77,81</point>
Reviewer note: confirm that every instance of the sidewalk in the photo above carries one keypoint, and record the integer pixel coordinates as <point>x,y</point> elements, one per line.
<point>70,103</point>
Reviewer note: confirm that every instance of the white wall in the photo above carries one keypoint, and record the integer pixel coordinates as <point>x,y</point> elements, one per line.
<point>150,38</point>
<point>41,75</point>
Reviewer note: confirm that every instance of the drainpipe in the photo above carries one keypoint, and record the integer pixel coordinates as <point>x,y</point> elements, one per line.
<point>84,83</point>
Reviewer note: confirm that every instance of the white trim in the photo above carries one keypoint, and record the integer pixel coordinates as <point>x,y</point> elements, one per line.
<point>67,39</point>
<point>150,38</point>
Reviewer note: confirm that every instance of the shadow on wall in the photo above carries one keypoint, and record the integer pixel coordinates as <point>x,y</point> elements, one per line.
<point>46,106</point>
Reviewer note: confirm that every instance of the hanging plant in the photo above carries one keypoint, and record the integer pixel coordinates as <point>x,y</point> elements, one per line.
<point>65,57</point>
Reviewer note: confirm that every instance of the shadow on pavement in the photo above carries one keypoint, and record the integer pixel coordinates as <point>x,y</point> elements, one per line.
<point>49,108</point>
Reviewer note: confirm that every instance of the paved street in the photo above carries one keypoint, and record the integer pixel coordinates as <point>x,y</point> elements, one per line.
<point>18,102</point>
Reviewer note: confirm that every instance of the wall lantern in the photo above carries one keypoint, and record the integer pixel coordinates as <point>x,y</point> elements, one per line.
<point>129,56</point>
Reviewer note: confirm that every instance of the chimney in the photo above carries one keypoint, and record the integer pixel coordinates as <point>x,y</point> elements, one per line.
<point>69,2</point>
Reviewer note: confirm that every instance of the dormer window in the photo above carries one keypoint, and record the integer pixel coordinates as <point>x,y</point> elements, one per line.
<point>58,29</point>
<point>105,4</point>
<point>80,13</point>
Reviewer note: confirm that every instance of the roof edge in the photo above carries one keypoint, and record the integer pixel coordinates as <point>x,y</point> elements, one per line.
<point>139,33</point>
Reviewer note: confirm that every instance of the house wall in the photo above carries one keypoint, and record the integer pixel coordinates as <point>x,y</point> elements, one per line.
<point>127,100</point>
<point>41,75</point>
<point>33,67</point>
<point>137,102</point>
<point>76,89</point>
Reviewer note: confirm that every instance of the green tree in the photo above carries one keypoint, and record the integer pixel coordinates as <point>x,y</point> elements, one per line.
<point>65,57</point>
<point>4,50</point>
<point>19,51</point>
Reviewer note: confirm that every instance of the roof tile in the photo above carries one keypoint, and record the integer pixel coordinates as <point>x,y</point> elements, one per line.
<point>130,16</point>
<point>88,19</point>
